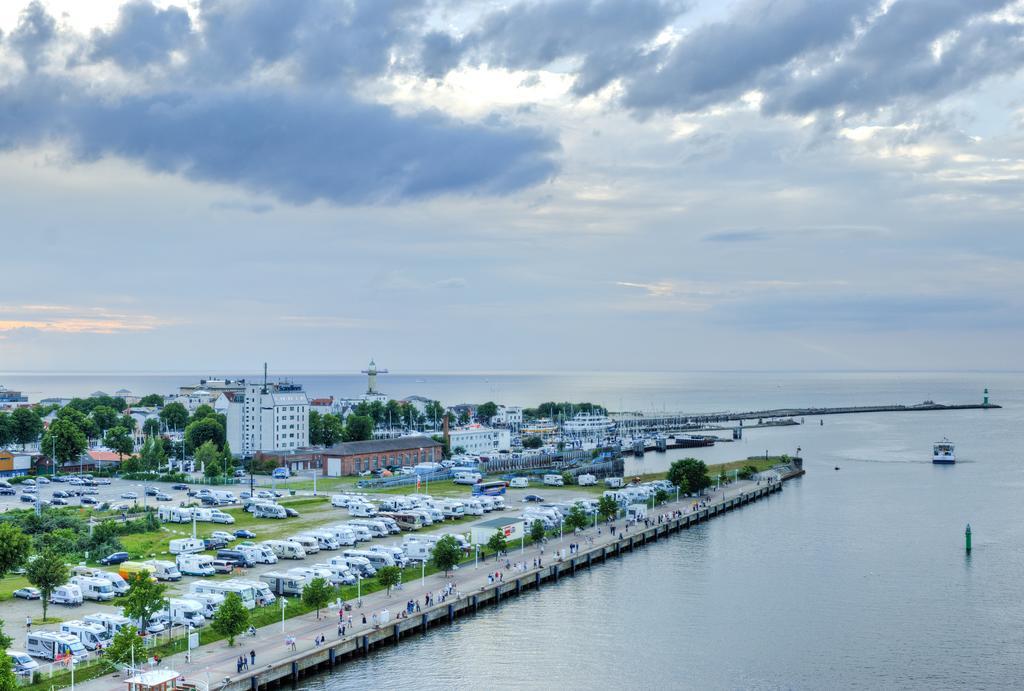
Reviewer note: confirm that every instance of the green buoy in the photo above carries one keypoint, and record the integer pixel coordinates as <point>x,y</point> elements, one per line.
<point>967,537</point>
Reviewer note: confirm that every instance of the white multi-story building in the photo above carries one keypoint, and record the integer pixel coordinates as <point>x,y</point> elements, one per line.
<point>477,439</point>
<point>271,417</point>
<point>509,416</point>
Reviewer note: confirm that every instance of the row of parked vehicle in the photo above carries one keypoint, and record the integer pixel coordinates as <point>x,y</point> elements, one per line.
<point>417,510</point>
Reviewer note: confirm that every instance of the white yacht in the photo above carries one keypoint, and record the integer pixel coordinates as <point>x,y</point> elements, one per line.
<point>588,425</point>
<point>942,452</point>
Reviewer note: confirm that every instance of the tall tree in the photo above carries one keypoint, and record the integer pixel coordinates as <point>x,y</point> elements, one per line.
<point>128,422</point>
<point>486,411</point>
<point>126,646</point>
<point>576,518</point>
<point>607,507</point>
<point>15,547</point>
<point>47,572</point>
<point>497,542</point>
<point>389,577</point>
<point>537,530</point>
<point>463,418</point>
<point>65,441</point>
<point>118,439</point>
<point>208,458</point>
<point>6,430</point>
<point>434,412</point>
<point>332,430</point>
<point>153,400</point>
<point>315,428</point>
<point>26,426</point>
<point>689,475</point>
<point>317,594</point>
<point>151,427</point>
<point>8,679</point>
<point>231,617</point>
<point>202,412</point>
<point>152,454</point>
<point>446,554</point>
<point>201,431</point>
<point>104,417</point>
<point>174,415</point>
<point>358,428</point>
<point>145,598</point>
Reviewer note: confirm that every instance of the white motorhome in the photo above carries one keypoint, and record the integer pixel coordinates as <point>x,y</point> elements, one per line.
<point>310,573</point>
<point>258,554</point>
<point>246,592</point>
<point>344,535</point>
<point>269,510</point>
<point>396,553</point>
<point>186,612</point>
<point>363,533</point>
<point>473,507</point>
<point>339,501</point>
<point>92,636</point>
<point>111,622</point>
<point>428,514</point>
<point>325,540</point>
<point>195,564</point>
<point>22,662</point>
<point>209,601</point>
<point>263,594</point>
<point>637,512</point>
<point>466,477</point>
<point>586,480</point>
<point>285,549</point>
<point>49,645</point>
<point>362,510</point>
<point>95,588</point>
<point>390,523</point>
<point>310,545</point>
<point>553,480</point>
<point>519,482</point>
<point>67,594</point>
<point>340,575</point>
<point>377,559</point>
<point>416,552</point>
<point>498,503</point>
<point>174,514</point>
<point>613,482</point>
<point>358,565</point>
<point>186,545</point>
<point>283,583</point>
<point>453,509</point>
<point>376,528</point>
<point>164,570</point>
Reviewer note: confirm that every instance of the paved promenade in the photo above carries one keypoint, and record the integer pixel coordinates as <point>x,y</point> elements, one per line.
<point>216,662</point>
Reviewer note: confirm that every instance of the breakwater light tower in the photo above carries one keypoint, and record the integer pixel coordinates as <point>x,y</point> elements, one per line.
<point>371,373</point>
<point>986,396</point>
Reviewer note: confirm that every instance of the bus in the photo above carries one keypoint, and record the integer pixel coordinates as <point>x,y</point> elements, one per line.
<point>490,488</point>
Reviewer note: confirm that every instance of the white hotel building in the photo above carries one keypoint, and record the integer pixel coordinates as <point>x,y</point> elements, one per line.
<point>477,439</point>
<point>274,417</point>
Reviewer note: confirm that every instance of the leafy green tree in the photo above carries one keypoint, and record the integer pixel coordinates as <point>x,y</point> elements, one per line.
<point>497,542</point>
<point>358,428</point>
<point>409,413</point>
<point>576,518</point>
<point>231,617</point>
<point>227,460</point>
<point>332,430</point>
<point>446,554</point>
<point>26,426</point>
<point>316,428</point>
<point>392,413</point>
<point>5,640</point>
<point>377,412</point>
<point>152,456</point>
<point>202,412</point>
<point>145,597</point>
<point>80,420</point>
<point>317,594</point>
<point>208,458</point>
<point>47,572</point>
<point>63,541</point>
<point>459,450</point>
<point>532,442</point>
<point>537,530</point>
<point>151,427</point>
<point>126,646</point>
<point>153,400</point>
<point>486,411</point>
<point>8,679</point>
<point>434,412</point>
<point>463,418</point>
<point>64,440</point>
<point>119,440</point>
<point>567,478</point>
<point>747,472</point>
<point>688,474</point>
<point>660,497</point>
<point>201,431</point>
<point>174,415</point>
<point>607,507</point>
<point>6,430</point>
<point>389,577</point>
<point>104,417</point>
<point>15,546</point>
<point>128,422</point>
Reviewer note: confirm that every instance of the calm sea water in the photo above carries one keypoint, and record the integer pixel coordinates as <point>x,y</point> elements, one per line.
<point>850,578</point>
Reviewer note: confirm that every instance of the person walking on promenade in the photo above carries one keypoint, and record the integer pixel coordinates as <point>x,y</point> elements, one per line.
<point>341,630</point>
<point>28,624</point>
<point>252,657</point>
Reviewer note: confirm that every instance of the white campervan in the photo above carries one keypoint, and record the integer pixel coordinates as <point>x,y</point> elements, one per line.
<point>363,533</point>
<point>95,588</point>
<point>195,564</point>
<point>362,509</point>
<point>376,528</point>
<point>246,592</point>
<point>67,594</point>
<point>324,539</point>
<point>473,507</point>
<point>49,645</point>
<point>396,553</point>
<point>344,535</point>
<point>92,636</point>
<point>283,583</point>
<point>310,545</point>
<point>186,612</point>
<point>519,482</point>
<point>269,510</point>
<point>377,559</point>
<point>164,570</point>
<point>258,554</point>
<point>111,622</point>
<point>186,545</point>
<point>554,480</point>
<point>285,549</point>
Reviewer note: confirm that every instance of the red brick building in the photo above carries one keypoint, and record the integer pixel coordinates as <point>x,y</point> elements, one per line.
<point>351,458</point>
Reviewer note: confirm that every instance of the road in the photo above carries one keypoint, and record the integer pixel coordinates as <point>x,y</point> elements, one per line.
<point>217,661</point>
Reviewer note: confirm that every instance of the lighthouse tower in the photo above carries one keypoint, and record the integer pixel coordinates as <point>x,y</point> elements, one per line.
<point>371,373</point>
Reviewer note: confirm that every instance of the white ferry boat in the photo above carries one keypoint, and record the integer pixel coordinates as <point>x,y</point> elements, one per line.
<point>588,425</point>
<point>942,452</point>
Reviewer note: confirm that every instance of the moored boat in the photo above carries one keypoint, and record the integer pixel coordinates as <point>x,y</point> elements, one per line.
<point>942,452</point>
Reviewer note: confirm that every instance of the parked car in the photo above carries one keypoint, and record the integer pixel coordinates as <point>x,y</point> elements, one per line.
<point>28,498</point>
<point>102,481</point>
<point>533,497</point>
<point>42,481</point>
<point>115,558</point>
<point>243,533</point>
<point>180,485</point>
<point>129,495</point>
<point>90,501</point>
<point>161,496</point>
<point>8,490</point>
<point>152,491</point>
<point>58,501</point>
<point>214,543</point>
<point>292,513</point>
<point>28,593</point>
<point>221,535</point>
<point>223,566</point>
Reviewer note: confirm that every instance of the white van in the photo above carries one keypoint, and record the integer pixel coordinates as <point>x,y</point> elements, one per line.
<point>310,573</point>
<point>340,575</point>
<point>310,545</point>
<point>218,516</point>
<point>67,594</point>
<point>362,510</point>
<point>466,477</point>
<point>224,497</point>
<point>22,662</point>
<point>416,552</point>
<point>186,545</point>
<point>498,503</point>
<point>246,592</point>
<point>283,583</point>
<point>473,507</point>
<point>325,540</point>
<point>174,514</point>
<point>92,636</point>
<point>269,510</point>
<point>165,570</point>
<point>430,514</point>
<point>396,553</point>
<point>263,594</point>
<point>195,564</point>
<point>94,588</point>
<point>344,535</point>
<point>339,501</point>
<point>519,482</point>
<point>554,480</point>
<point>586,480</point>
<point>486,502</point>
<point>362,533</point>
<point>377,559</point>
<point>453,509</point>
<point>258,554</point>
<point>49,645</point>
<point>111,622</point>
<point>284,549</point>
<point>186,612</point>
<point>613,482</point>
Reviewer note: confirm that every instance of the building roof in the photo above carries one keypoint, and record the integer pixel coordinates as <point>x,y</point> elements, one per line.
<point>379,445</point>
<point>322,401</point>
<point>497,523</point>
<point>106,456</point>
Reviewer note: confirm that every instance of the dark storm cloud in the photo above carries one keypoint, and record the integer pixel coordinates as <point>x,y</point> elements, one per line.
<point>144,34</point>
<point>608,35</point>
<point>303,138</point>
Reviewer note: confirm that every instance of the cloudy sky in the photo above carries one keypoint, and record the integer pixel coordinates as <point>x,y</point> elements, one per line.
<point>484,185</point>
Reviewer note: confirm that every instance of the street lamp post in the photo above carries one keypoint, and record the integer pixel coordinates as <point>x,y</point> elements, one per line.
<point>423,572</point>
<point>284,604</point>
